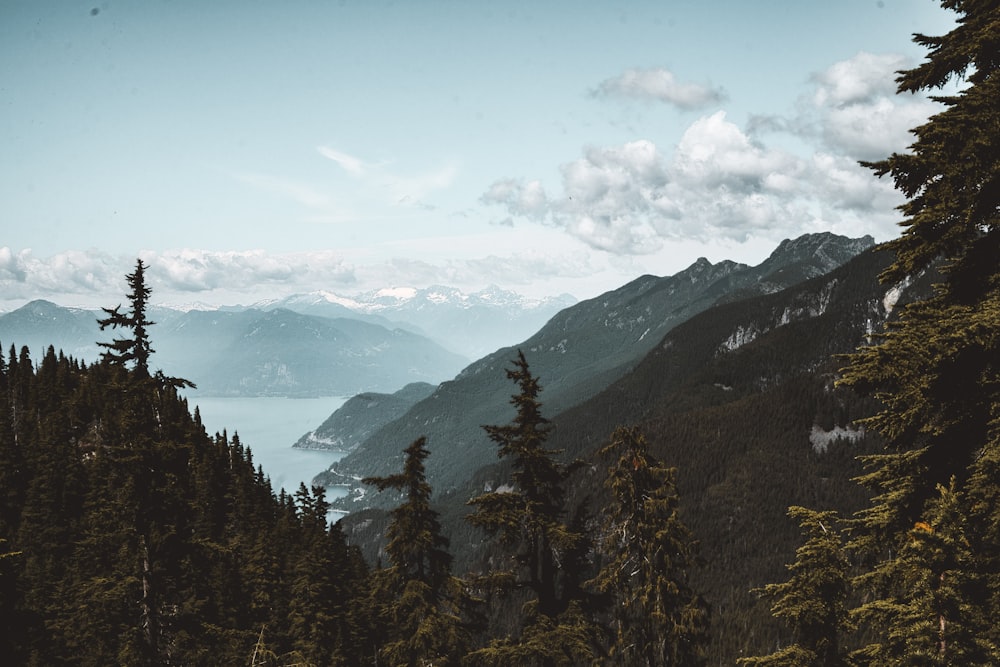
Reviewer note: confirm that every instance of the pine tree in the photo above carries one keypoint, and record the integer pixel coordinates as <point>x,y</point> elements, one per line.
<point>135,348</point>
<point>656,618</point>
<point>527,518</point>
<point>930,617</point>
<point>416,597</point>
<point>936,369</point>
<point>814,601</point>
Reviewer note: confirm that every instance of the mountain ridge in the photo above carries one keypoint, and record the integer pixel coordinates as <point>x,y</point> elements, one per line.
<point>579,352</point>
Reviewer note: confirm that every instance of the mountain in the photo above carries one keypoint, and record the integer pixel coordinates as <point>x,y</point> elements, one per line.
<point>470,324</point>
<point>282,353</point>
<point>251,352</point>
<point>741,399</point>
<point>579,352</point>
<point>40,323</point>
<point>354,421</point>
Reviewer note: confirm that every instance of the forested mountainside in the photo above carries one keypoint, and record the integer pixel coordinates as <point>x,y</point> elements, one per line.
<point>361,415</point>
<point>128,535</point>
<point>579,352</point>
<point>740,399</point>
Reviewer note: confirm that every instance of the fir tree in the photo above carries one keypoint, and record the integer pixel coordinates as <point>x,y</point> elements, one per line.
<point>136,348</point>
<point>813,602</point>
<point>416,598</point>
<point>936,369</point>
<point>656,618</point>
<point>527,518</point>
<point>929,618</point>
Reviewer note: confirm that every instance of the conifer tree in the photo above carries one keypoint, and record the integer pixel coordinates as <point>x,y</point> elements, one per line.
<point>416,598</point>
<point>136,348</point>
<point>656,618</point>
<point>930,617</point>
<point>936,369</point>
<point>814,601</point>
<point>527,518</point>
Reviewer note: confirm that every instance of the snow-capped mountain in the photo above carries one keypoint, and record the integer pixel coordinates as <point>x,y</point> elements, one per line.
<point>471,324</point>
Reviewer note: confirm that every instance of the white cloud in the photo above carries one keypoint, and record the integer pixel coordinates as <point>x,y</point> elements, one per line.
<point>524,199</point>
<point>347,162</point>
<point>862,79</point>
<point>659,84</point>
<point>718,185</point>
<point>855,109</point>
<point>92,278</point>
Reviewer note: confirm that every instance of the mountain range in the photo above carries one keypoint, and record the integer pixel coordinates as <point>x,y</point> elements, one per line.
<point>305,344</point>
<point>470,324</point>
<point>740,397</point>
<point>250,352</point>
<point>578,353</point>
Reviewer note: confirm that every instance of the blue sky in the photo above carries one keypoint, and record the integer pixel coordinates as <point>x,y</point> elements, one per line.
<point>254,149</point>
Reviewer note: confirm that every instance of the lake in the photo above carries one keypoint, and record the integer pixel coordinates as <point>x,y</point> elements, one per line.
<point>269,427</point>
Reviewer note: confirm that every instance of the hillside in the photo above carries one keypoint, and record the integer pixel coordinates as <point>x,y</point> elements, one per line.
<point>579,352</point>
<point>362,415</point>
<point>740,399</point>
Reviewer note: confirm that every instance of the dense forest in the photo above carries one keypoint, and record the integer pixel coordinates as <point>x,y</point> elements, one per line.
<point>129,535</point>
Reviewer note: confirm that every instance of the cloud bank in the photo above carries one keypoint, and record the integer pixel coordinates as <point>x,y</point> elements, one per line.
<point>195,278</point>
<point>723,181</point>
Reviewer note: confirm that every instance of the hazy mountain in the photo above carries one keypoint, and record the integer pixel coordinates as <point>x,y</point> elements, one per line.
<point>40,323</point>
<point>362,415</point>
<point>470,324</point>
<point>251,352</point>
<point>578,353</point>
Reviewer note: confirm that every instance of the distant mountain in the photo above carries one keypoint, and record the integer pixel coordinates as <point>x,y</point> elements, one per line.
<point>41,323</point>
<point>470,324</point>
<point>251,352</point>
<point>578,353</point>
<point>362,415</point>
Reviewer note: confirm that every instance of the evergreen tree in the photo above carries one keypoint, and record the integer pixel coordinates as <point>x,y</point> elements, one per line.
<point>135,348</point>
<point>813,602</point>
<point>936,369</point>
<point>416,598</point>
<point>527,518</point>
<point>929,618</point>
<point>656,618</point>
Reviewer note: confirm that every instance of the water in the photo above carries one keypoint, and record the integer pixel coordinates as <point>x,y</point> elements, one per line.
<point>269,427</point>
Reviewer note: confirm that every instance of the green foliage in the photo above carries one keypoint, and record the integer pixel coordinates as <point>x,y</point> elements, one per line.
<point>951,176</point>
<point>132,537</point>
<point>929,537</point>
<point>527,518</point>
<point>922,605</point>
<point>416,598</point>
<point>813,602</point>
<point>656,618</point>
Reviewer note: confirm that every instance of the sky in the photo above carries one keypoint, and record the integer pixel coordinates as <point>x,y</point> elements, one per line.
<point>255,149</point>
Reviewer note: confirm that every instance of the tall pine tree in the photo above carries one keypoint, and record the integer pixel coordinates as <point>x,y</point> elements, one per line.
<point>656,618</point>
<point>936,369</point>
<point>814,601</point>
<point>417,599</point>
<point>528,519</point>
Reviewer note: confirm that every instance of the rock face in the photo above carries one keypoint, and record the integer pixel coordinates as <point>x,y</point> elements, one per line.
<point>579,352</point>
